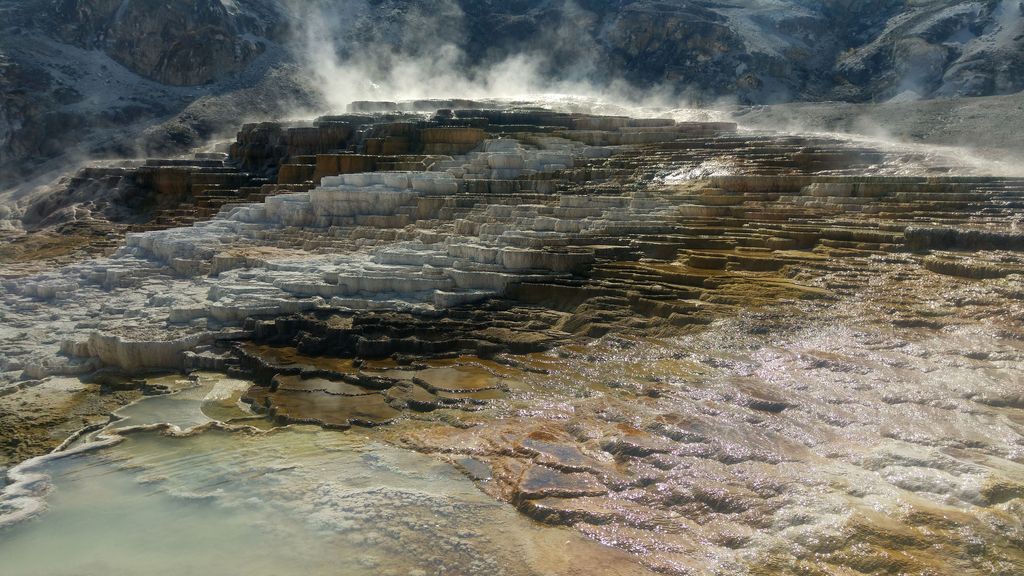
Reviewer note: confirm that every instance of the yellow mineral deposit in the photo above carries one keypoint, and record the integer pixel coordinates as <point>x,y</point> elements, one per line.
<point>510,340</point>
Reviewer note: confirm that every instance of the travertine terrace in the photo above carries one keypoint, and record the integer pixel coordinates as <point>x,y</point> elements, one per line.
<point>719,351</point>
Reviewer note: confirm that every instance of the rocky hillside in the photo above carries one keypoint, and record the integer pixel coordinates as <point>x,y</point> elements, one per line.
<point>758,51</point>
<point>111,78</point>
<point>120,77</point>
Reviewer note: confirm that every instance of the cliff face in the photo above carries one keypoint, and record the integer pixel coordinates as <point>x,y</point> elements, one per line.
<point>939,49</point>
<point>94,78</point>
<point>766,51</point>
<point>97,77</point>
<point>179,43</point>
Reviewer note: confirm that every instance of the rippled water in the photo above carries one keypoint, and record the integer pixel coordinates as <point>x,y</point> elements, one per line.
<point>881,434</point>
<point>297,500</point>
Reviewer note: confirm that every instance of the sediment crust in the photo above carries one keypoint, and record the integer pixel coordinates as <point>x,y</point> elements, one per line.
<point>755,351</point>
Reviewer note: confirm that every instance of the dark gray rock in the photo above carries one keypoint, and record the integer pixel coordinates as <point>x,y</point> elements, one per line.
<point>945,238</point>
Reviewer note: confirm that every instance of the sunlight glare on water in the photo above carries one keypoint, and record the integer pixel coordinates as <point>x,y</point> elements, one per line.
<point>297,500</point>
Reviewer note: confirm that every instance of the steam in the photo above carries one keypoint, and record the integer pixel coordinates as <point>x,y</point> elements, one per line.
<point>420,55</point>
<point>980,142</point>
<point>424,51</point>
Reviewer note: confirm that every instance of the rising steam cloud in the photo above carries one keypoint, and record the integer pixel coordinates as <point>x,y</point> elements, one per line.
<point>421,55</point>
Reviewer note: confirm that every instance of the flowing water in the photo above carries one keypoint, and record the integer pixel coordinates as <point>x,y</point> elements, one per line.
<point>745,407</point>
<point>188,497</point>
<point>883,434</point>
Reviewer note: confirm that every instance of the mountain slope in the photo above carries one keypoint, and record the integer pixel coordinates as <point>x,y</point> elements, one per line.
<point>88,78</point>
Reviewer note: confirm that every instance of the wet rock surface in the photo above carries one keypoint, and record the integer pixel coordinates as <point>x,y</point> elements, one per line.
<point>37,420</point>
<point>285,500</point>
<point>713,445</point>
<point>719,351</point>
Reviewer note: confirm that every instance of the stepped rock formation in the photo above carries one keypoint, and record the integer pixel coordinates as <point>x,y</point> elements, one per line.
<point>84,78</point>
<point>720,351</point>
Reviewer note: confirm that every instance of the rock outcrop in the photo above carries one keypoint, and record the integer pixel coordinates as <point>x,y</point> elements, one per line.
<point>89,77</point>
<point>97,79</point>
<point>549,210</point>
<point>742,351</point>
<point>199,42</point>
